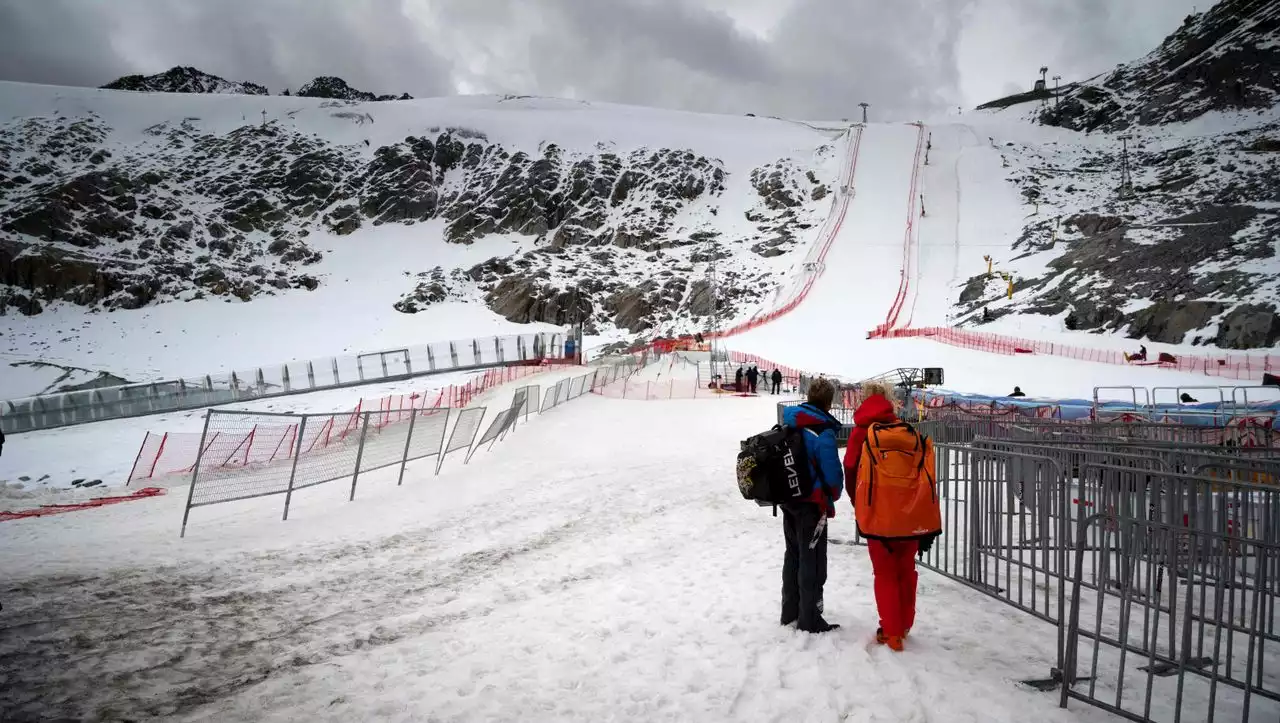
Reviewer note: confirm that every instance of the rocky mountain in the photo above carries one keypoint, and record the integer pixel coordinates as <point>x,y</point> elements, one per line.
<point>1186,251</point>
<point>184,80</point>
<point>1225,59</point>
<point>334,88</point>
<point>614,239</point>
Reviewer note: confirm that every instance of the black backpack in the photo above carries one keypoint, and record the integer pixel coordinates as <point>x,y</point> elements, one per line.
<point>773,467</point>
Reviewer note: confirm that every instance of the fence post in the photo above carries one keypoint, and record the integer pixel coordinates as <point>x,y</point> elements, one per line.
<point>151,473</point>
<point>431,359</point>
<point>360,367</point>
<point>311,375</point>
<point>497,347</point>
<point>195,472</point>
<point>248,450</point>
<point>405,460</point>
<point>293,471</point>
<point>333,360</point>
<point>364,432</point>
<point>284,374</point>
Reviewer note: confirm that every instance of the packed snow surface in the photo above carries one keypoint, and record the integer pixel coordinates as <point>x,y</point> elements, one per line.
<point>598,565</point>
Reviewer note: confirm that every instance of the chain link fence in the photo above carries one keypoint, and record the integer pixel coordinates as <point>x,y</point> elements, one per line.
<point>297,377</point>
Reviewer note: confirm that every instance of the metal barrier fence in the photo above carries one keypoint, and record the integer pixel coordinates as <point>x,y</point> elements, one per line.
<point>92,405</point>
<point>1198,562</point>
<point>311,449</point>
<point>170,453</point>
<point>1162,585</point>
<point>1243,434</point>
<point>221,474</point>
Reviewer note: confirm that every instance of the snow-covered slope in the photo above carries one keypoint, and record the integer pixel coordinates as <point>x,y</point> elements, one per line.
<point>263,225</point>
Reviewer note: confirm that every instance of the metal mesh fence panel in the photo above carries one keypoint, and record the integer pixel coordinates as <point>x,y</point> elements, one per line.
<point>562,391</point>
<point>575,387</point>
<point>549,400</point>
<point>497,427</point>
<point>220,477</point>
<point>318,463</point>
<point>428,433</point>
<point>383,445</point>
<point>533,393</point>
<point>464,430</point>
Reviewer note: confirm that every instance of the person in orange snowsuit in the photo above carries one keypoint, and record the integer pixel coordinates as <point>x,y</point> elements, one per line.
<point>892,562</point>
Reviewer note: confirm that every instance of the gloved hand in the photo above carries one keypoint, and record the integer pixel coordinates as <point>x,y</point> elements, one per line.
<point>926,544</point>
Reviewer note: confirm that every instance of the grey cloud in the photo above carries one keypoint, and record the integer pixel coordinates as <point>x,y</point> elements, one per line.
<point>802,58</point>
<point>821,59</point>
<point>278,43</point>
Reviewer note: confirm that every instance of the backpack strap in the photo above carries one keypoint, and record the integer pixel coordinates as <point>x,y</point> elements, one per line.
<point>871,472</point>
<point>817,469</point>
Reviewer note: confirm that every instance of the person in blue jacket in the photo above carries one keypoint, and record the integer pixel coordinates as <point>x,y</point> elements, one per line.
<point>804,569</point>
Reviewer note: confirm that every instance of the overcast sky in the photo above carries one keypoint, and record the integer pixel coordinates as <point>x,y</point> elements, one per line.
<point>799,58</point>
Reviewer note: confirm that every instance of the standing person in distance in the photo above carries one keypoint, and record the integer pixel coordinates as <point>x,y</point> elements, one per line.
<point>777,381</point>
<point>753,378</point>
<point>804,569</point>
<point>889,468</point>
<point>737,379</point>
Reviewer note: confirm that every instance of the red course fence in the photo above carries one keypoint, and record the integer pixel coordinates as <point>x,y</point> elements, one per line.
<point>909,251</point>
<point>1232,366</point>
<point>826,236</point>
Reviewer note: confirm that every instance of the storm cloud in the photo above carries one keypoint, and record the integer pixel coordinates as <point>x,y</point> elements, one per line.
<point>798,58</point>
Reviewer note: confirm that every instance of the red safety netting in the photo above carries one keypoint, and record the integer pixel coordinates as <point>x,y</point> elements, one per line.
<point>909,250</point>
<point>176,452</point>
<point>45,510</point>
<point>827,235</point>
<point>1232,366</point>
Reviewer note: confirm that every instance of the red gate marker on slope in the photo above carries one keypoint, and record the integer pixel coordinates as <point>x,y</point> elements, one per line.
<point>45,510</point>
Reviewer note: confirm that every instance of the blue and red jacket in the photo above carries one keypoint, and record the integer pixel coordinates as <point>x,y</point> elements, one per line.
<point>819,429</point>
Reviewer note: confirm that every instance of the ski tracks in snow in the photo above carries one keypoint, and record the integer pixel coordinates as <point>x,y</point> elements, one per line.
<point>163,641</point>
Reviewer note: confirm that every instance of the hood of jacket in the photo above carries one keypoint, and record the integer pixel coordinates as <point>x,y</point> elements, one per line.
<point>874,409</point>
<point>807,416</point>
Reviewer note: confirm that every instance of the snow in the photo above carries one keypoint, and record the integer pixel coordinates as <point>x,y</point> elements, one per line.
<point>599,582</point>
<point>364,274</point>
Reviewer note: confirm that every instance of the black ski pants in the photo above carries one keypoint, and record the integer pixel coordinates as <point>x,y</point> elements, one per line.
<point>804,570</point>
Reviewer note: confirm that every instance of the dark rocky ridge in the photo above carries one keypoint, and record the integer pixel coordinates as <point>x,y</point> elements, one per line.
<point>605,237</point>
<point>1225,59</point>
<point>328,86</point>
<point>182,79</point>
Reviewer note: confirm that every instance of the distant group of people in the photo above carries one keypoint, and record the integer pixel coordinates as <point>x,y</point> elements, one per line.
<point>747,379</point>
